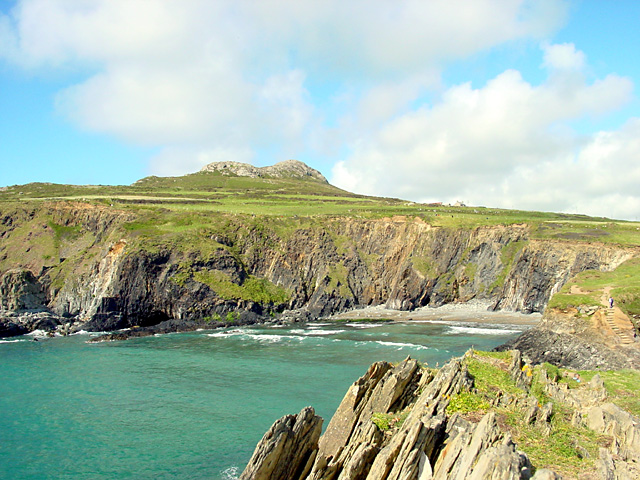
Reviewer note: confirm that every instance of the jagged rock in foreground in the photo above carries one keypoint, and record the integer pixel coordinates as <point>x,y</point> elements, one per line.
<point>288,449</point>
<point>393,424</point>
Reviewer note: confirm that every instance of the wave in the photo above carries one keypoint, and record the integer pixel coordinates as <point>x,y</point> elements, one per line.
<point>231,473</point>
<point>363,325</point>
<point>227,333</point>
<point>11,341</point>
<point>320,332</point>
<point>37,333</point>
<point>403,345</point>
<point>261,337</point>
<point>273,338</point>
<point>454,330</point>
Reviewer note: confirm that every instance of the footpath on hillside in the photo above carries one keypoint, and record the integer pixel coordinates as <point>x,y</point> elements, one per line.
<point>616,320</point>
<point>616,324</point>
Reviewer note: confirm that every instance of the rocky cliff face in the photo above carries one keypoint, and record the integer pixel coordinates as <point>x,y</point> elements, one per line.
<point>88,264</point>
<point>427,441</point>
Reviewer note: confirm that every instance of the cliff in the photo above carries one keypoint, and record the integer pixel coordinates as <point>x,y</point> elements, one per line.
<point>468,420</point>
<point>236,243</point>
<point>106,268</point>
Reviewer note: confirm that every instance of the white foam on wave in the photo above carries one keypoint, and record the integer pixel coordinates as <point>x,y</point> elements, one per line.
<point>230,473</point>
<point>402,345</point>
<point>11,341</point>
<point>261,337</point>
<point>81,332</point>
<point>364,325</point>
<point>322,332</point>
<point>227,333</point>
<point>454,330</point>
<point>37,333</point>
<point>273,338</point>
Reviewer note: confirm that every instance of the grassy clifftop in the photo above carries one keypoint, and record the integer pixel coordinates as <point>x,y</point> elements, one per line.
<point>202,194</point>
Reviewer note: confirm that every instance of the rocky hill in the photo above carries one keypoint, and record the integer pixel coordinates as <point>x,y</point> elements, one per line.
<point>480,417</point>
<point>286,169</point>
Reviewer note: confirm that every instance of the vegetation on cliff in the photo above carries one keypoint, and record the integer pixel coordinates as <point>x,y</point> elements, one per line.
<point>562,443</point>
<point>204,244</point>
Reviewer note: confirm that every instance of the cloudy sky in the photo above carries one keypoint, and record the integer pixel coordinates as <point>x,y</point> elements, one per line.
<point>504,103</point>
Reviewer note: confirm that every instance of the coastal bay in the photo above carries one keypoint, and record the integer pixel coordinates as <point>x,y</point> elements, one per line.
<point>193,405</point>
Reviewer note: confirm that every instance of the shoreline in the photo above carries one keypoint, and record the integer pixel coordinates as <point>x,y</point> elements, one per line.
<point>471,312</point>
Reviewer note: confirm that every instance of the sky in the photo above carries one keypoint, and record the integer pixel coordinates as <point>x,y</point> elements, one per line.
<point>527,104</point>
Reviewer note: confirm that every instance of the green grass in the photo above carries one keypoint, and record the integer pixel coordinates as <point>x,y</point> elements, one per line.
<point>489,379</point>
<point>466,402</point>
<point>623,387</point>
<point>424,265</point>
<point>252,289</point>
<point>565,448</point>
<point>507,257</point>
<point>211,192</point>
<point>564,301</point>
<point>387,421</point>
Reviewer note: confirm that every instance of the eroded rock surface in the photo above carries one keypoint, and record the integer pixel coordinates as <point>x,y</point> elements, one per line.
<point>287,450</point>
<point>429,443</point>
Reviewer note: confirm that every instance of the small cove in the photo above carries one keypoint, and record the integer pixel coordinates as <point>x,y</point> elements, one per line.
<point>193,405</point>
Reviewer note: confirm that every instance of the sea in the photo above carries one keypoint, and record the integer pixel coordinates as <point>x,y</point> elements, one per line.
<point>192,405</point>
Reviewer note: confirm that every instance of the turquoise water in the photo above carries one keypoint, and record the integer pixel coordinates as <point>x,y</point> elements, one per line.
<point>189,405</point>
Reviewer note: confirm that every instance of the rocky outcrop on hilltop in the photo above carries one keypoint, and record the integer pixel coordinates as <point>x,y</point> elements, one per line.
<point>394,423</point>
<point>286,169</point>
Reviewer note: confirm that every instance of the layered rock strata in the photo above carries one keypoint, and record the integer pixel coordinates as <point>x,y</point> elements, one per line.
<point>103,277</point>
<point>430,443</point>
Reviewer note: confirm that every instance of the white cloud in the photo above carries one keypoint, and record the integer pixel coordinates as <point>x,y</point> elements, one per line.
<point>506,144</point>
<point>563,57</point>
<point>209,81</point>
<point>233,74</point>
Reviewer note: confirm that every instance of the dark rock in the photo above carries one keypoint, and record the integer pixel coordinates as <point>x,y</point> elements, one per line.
<point>565,350</point>
<point>20,323</point>
<point>287,450</point>
<point>10,328</point>
<point>20,290</point>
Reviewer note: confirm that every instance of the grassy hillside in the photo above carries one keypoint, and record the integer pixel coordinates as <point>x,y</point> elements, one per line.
<point>188,201</point>
<point>623,282</point>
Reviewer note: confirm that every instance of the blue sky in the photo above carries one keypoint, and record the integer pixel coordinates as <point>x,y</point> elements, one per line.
<point>503,103</point>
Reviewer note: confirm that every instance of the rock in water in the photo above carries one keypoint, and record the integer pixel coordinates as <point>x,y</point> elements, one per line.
<point>287,450</point>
